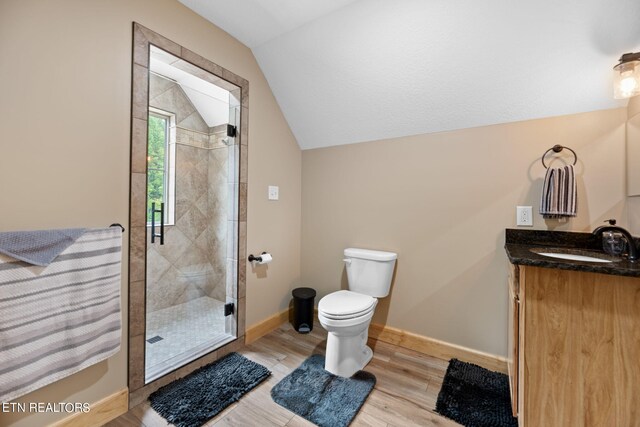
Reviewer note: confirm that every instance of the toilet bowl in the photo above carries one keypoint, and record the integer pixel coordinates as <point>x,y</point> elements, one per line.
<point>348,329</point>
<point>346,314</point>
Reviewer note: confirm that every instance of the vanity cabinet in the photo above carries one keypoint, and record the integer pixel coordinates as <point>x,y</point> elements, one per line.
<point>574,347</point>
<point>513,338</point>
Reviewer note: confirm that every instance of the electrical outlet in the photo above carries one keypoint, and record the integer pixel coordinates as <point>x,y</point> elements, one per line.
<point>273,192</point>
<point>524,216</point>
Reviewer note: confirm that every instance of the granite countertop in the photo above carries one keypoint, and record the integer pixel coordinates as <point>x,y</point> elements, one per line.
<point>521,244</point>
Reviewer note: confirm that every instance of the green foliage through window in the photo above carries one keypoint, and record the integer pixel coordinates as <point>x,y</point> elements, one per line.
<point>156,163</point>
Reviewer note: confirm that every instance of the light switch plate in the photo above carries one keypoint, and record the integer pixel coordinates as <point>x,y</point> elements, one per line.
<point>274,192</point>
<point>524,216</point>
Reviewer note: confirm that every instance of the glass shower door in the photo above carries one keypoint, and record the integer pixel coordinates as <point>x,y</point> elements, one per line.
<point>191,216</point>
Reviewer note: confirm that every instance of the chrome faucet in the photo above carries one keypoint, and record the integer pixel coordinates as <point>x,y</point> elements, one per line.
<point>633,249</point>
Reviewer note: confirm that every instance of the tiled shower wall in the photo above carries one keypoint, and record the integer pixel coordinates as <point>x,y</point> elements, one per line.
<point>193,261</point>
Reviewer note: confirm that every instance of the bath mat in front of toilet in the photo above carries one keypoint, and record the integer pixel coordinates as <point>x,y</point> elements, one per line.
<point>321,397</point>
<point>193,400</point>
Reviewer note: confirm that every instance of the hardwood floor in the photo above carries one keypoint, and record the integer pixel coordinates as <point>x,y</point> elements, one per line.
<point>405,393</point>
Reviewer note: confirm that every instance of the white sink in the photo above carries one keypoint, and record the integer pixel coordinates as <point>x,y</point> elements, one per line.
<point>573,257</point>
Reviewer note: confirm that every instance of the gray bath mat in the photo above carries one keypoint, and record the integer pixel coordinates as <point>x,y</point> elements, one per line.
<point>193,400</point>
<point>320,397</point>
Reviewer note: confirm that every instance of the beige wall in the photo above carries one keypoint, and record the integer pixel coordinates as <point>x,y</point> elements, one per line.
<point>64,157</point>
<point>634,106</point>
<point>633,163</point>
<point>442,202</point>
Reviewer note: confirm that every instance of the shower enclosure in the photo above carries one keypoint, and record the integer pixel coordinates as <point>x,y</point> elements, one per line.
<point>188,212</point>
<point>191,199</point>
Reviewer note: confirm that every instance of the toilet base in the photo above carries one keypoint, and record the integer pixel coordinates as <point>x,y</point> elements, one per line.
<point>346,355</point>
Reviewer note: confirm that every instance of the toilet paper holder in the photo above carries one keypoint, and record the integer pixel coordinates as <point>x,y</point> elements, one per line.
<point>256,258</point>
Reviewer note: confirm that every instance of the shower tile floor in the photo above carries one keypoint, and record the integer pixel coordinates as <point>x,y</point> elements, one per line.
<point>183,328</point>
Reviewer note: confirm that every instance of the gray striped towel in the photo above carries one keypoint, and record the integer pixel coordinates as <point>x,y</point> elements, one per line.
<point>38,247</point>
<point>59,319</point>
<point>559,193</point>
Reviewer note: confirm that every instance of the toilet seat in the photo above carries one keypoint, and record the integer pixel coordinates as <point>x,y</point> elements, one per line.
<point>344,305</point>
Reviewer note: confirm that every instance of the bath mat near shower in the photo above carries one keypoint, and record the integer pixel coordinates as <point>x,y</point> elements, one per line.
<point>193,400</point>
<point>474,396</point>
<point>321,397</point>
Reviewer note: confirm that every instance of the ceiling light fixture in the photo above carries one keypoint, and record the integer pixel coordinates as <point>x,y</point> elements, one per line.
<point>626,76</point>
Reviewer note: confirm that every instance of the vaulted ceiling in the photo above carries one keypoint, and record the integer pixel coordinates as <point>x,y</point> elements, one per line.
<point>347,71</point>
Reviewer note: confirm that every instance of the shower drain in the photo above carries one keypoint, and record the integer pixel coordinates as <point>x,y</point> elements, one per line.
<point>155,339</point>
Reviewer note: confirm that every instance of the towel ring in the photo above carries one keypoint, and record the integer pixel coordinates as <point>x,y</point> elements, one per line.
<point>556,149</point>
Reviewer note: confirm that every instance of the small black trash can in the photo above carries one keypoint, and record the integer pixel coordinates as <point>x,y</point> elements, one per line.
<point>303,309</point>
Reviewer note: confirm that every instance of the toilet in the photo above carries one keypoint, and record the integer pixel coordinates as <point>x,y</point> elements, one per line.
<point>346,315</point>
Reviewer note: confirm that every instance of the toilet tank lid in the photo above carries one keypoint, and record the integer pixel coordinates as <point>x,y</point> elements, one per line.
<point>370,254</point>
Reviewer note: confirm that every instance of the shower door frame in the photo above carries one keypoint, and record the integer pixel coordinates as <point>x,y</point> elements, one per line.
<point>143,38</point>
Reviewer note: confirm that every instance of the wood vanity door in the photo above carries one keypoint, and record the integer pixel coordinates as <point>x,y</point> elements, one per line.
<point>512,338</point>
<point>580,365</point>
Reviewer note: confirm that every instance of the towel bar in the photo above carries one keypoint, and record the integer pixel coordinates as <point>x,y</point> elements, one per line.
<point>118,225</point>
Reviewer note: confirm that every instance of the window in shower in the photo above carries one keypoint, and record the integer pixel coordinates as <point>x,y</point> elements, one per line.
<point>160,155</point>
<point>192,167</point>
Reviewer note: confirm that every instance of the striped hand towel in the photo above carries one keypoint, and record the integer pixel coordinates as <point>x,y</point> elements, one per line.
<point>559,193</point>
<point>58,319</point>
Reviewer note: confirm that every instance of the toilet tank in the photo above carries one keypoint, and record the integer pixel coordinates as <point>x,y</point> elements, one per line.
<point>369,272</point>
